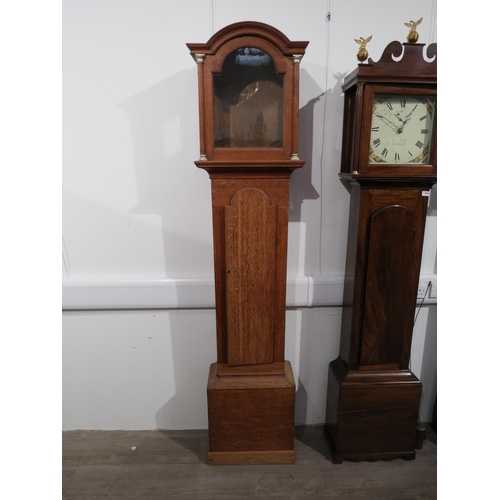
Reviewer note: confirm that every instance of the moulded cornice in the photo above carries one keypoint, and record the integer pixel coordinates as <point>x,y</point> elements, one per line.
<point>248,28</point>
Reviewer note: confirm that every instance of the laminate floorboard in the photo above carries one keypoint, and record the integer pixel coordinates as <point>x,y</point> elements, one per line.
<point>171,465</point>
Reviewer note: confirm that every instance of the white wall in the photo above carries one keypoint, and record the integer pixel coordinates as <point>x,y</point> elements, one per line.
<point>136,209</point>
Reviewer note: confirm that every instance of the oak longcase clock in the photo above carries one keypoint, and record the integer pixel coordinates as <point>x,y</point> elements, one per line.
<point>389,166</point>
<point>248,81</point>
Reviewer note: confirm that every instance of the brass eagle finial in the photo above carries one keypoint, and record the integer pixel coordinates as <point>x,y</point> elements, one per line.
<point>362,52</point>
<point>413,35</point>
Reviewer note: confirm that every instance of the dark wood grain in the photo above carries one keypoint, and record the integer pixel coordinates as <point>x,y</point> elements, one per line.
<point>392,271</point>
<point>373,398</point>
<point>383,264</point>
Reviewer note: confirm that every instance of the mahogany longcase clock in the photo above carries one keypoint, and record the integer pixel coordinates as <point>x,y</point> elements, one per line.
<point>388,165</point>
<point>248,79</point>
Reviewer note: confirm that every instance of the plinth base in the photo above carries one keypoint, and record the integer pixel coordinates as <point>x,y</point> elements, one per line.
<point>251,418</point>
<point>371,415</point>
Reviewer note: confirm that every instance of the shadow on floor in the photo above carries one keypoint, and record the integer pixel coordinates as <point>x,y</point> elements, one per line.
<point>195,441</point>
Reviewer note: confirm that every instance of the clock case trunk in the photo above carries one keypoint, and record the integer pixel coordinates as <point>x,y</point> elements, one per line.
<point>373,397</point>
<point>251,387</point>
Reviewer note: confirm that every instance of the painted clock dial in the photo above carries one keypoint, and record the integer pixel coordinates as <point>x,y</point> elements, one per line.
<point>402,129</point>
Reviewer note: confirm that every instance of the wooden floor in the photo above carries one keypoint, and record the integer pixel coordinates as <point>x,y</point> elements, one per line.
<point>102,465</point>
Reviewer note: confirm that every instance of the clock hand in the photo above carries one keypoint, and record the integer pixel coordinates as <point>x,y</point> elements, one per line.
<point>398,130</point>
<point>407,117</point>
<point>403,121</point>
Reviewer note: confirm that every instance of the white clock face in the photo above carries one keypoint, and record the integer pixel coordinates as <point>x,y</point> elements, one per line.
<point>402,129</point>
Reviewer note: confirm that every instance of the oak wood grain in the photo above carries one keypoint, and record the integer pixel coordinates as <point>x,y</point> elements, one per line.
<point>249,122</point>
<point>251,414</point>
<point>251,240</point>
